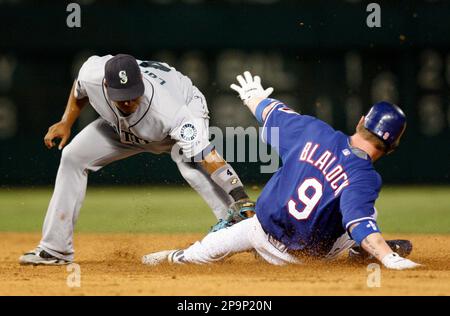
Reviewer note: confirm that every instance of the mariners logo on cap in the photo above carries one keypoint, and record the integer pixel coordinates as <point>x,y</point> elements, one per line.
<point>123,77</point>
<point>188,132</point>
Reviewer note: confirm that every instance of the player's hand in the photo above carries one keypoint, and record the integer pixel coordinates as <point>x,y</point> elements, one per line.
<point>59,130</point>
<point>394,261</point>
<point>250,87</point>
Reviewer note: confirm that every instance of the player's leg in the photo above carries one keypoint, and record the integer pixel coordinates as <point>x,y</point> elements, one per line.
<point>217,246</point>
<point>212,248</point>
<point>243,236</point>
<point>216,198</point>
<point>94,147</point>
<point>269,249</point>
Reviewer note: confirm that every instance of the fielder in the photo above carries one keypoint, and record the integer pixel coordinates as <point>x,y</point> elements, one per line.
<point>320,203</point>
<point>144,106</point>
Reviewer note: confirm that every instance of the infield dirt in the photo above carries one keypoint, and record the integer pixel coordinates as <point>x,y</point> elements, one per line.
<point>110,265</point>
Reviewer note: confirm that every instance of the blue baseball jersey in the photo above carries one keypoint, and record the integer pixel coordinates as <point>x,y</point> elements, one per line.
<point>324,185</point>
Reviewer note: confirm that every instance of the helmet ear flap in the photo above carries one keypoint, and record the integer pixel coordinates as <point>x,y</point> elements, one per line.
<point>394,146</point>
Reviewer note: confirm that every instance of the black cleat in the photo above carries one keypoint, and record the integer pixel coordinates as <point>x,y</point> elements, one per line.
<point>402,247</point>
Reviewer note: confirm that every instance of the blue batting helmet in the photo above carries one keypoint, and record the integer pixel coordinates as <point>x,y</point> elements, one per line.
<point>386,121</point>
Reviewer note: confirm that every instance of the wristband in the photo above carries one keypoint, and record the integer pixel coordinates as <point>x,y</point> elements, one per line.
<point>260,108</point>
<point>364,229</point>
<point>226,178</point>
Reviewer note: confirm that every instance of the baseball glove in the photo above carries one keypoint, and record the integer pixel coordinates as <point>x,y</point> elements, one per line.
<point>237,212</point>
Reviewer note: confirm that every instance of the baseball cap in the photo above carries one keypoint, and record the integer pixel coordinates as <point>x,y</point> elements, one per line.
<point>123,78</point>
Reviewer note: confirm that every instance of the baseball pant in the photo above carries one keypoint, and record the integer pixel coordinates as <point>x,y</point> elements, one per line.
<point>249,235</point>
<point>243,236</point>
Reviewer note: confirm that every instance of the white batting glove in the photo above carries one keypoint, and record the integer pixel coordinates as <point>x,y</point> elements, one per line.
<point>394,261</point>
<point>250,87</point>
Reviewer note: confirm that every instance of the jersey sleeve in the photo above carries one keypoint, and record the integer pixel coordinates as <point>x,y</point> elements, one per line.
<point>79,90</point>
<point>83,74</point>
<point>357,201</point>
<point>92,71</point>
<point>282,128</point>
<point>191,133</point>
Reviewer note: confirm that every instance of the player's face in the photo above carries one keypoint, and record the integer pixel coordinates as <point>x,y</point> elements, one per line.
<point>128,107</point>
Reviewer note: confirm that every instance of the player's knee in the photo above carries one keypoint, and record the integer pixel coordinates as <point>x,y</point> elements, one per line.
<point>70,158</point>
<point>212,254</point>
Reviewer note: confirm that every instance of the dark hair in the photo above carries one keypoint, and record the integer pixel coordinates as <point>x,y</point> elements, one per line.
<point>372,138</point>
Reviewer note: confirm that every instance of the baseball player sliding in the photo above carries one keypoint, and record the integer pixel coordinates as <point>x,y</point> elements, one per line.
<point>144,106</point>
<point>320,203</point>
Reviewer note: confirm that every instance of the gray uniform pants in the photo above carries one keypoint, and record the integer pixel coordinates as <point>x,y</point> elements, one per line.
<point>93,148</point>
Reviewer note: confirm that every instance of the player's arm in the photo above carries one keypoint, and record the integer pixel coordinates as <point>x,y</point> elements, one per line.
<point>224,175</point>
<point>281,126</point>
<point>365,233</point>
<point>62,129</point>
<point>197,149</point>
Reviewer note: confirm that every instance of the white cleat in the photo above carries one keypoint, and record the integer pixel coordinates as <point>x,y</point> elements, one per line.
<point>39,256</point>
<point>155,258</point>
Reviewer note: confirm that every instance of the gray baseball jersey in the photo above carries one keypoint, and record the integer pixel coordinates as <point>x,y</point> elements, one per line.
<point>163,110</point>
